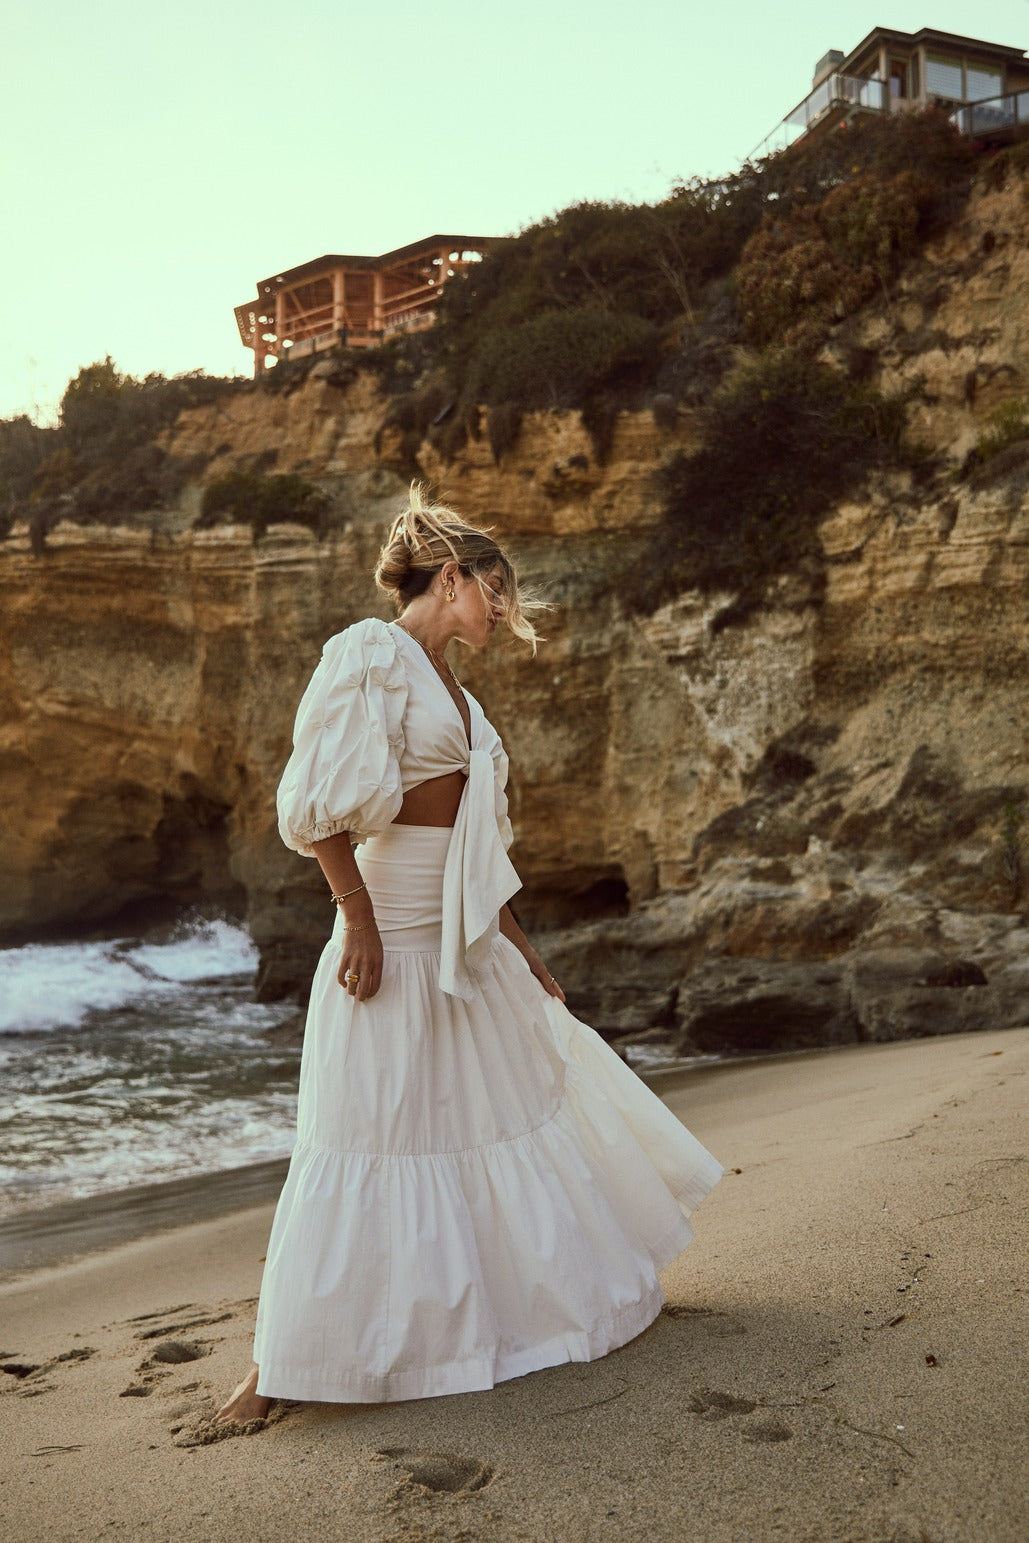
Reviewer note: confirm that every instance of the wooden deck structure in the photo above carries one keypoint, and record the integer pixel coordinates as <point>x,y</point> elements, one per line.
<point>892,71</point>
<point>353,301</point>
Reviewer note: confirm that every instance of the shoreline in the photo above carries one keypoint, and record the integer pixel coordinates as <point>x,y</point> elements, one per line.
<point>833,1360</point>
<point>69,1230</point>
<point>66,1231</point>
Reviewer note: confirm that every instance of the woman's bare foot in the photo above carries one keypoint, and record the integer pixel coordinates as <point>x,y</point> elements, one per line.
<point>244,1403</point>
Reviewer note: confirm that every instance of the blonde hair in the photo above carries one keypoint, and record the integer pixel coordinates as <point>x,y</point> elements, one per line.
<point>420,541</point>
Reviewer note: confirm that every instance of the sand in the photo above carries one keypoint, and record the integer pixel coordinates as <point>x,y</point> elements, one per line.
<point>841,1356</point>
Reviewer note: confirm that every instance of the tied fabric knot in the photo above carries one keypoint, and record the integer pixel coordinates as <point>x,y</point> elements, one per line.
<point>478,879</point>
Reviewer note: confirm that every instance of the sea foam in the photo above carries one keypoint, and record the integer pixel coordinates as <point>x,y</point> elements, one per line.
<point>47,986</point>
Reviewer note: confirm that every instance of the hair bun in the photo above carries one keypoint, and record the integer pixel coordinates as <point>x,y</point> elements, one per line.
<point>425,536</point>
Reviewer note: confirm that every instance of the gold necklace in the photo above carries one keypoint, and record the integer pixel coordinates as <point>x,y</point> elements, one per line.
<point>441,666</point>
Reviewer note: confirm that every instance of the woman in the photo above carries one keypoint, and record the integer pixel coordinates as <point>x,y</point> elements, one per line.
<point>480,1187</point>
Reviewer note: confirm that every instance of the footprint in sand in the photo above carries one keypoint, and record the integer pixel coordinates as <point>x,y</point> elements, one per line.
<point>178,1328</point>
<point>719,1325</point>
<point>159,1363</point>
<point>176,1352</point>
<point>28,1375</point>
<point>767,1430</point>
<point>710,1404</point>
<point>163,1333</point>
<point>441,1472</point>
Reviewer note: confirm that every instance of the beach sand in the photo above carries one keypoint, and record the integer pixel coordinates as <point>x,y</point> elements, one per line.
<point>841,1356</point>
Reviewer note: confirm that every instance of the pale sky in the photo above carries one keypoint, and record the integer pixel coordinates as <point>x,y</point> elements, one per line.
<point>159,160</point>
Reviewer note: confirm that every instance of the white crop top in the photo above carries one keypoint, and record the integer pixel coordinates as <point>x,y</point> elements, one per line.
<point>377,720</point>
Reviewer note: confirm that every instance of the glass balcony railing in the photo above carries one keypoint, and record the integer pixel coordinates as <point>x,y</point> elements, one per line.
<point>834,91</point>
<point>994,114</point>
<point>849,90</point>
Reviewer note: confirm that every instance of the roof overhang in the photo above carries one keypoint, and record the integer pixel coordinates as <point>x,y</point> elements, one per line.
<point>331,260</point>
<point>930,38</point>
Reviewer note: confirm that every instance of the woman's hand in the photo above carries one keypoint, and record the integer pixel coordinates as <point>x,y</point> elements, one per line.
<point>360,965</point>
<point>514,934</point>
<point>543,975</point>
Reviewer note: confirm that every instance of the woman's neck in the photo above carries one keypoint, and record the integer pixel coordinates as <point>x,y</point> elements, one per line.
<point>427,623</point>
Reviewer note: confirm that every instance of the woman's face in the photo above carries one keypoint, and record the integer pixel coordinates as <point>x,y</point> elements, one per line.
<point>475,615</point>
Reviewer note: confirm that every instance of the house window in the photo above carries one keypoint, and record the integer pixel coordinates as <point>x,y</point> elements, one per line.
<point>943,78</point>
<point>898,79</point>
<point>981,83</point>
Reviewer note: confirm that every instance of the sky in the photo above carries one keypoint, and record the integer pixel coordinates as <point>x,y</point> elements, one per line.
<point>158,160</point>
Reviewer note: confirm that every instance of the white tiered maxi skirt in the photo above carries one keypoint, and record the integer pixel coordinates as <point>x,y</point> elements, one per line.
<point>478,1189</point>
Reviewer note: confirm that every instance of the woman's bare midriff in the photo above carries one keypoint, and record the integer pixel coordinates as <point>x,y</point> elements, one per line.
<point>434,802</point>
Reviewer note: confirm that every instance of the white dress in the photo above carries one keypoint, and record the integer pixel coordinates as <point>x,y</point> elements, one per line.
<point>480,1187</point>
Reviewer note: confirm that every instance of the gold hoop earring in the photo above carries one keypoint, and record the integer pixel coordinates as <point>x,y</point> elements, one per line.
<point>451,595</point>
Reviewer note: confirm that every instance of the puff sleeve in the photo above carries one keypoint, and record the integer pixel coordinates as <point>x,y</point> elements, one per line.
<point>344,773</point>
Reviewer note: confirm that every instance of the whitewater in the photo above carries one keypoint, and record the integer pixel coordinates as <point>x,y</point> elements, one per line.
<point>133,1060</point>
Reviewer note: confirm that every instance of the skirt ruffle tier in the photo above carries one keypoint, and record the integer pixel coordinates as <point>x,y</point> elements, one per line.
<point>478,1189</point>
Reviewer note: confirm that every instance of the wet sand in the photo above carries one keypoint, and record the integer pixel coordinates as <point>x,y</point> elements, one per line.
<point>34,1240</point>
<point>841,1357</point>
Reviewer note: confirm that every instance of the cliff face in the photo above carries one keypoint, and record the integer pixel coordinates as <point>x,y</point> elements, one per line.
<point>801,828</point>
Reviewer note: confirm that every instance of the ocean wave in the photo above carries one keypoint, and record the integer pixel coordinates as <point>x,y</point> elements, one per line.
<point>48,986</point>
<point>209,950</point>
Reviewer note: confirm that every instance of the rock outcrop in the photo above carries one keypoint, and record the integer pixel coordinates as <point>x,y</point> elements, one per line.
<point>803,828</point>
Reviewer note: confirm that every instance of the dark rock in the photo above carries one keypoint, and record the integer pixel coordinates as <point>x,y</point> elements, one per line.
<point>899,993</point>
<point>614,1007</point>
<point>958,973</point>
<point>754,1005</point>
<point>754,827</point>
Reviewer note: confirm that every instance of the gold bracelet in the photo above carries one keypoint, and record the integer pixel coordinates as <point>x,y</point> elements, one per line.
<point>362,927</point>
<point>337,899</point>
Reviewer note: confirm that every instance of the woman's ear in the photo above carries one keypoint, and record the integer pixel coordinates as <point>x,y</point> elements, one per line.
<point>448,573</point>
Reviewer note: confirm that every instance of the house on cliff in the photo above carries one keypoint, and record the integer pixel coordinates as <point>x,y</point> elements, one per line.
<point>355,301</point>
<point>983,86</point>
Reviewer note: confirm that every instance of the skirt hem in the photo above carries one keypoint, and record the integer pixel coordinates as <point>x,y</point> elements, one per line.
<point>475,1373</point>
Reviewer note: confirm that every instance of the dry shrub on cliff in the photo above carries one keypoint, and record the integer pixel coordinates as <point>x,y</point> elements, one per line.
<point>800,273</point>
<point>782,441</point>
<point>841,215</point>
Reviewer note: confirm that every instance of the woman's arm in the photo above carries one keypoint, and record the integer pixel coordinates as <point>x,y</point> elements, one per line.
<point>362,950</point>
<point>514,934</point>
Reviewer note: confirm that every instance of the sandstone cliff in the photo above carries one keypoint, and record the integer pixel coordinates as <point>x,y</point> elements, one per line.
<point>800,829</point>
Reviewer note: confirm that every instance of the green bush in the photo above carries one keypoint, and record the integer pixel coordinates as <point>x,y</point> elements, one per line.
<point>102,461</point>
<point>24,447</point>
<point>255,499</point>
<point>561,358</point>
<point>781,442</point>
